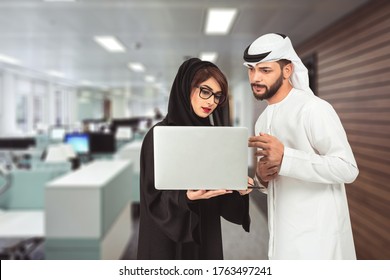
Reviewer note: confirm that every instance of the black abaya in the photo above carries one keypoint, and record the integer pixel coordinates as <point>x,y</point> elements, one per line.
<point>172,226</point>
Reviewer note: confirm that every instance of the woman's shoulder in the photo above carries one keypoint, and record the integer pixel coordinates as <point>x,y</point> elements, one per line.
<point>148,138</point>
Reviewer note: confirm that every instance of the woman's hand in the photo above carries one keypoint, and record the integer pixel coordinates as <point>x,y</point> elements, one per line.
<point>248,190</point>
<point>204,194</point>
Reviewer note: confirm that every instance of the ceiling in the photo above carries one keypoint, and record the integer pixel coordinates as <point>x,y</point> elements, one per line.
<point>158,33</point>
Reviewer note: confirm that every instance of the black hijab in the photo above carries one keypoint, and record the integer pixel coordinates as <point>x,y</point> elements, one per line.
<point>180,112</point>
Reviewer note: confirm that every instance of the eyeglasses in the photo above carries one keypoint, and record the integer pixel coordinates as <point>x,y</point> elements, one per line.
<point>206,93</point>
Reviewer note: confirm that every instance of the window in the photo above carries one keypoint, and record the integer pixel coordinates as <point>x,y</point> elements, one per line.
<point>58,106</point>
<point>23,89</point>
<point>38,102</point>
<point>21,113</point>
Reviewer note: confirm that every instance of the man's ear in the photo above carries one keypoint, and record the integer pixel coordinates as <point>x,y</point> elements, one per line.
<point>287,71</point>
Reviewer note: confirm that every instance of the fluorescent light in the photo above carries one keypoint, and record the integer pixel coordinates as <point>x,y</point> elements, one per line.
<point>110,43</point>
<point>219,21</point>
<point>136,67</point>
<point>209,56</point>
<point>56,73</point>
<point>10,60</point>
<point>150,79</point>
<point>86,82</point>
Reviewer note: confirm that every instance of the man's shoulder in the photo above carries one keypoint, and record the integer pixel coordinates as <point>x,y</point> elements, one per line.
<point>307,98</point>
<point>313,104</point>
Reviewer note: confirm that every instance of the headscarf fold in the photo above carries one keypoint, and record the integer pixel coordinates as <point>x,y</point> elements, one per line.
<point>274,47</point>
<point>180,112</point>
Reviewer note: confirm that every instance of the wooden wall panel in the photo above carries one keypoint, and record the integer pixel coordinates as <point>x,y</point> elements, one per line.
<point>353,74</point>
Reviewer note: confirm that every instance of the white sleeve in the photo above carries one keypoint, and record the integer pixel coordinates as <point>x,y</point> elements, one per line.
<point>260,186</point>
<point>332,160</point>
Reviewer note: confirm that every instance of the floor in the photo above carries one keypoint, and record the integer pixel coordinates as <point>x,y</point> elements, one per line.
<point>241,245</point>
<point>237,244</point>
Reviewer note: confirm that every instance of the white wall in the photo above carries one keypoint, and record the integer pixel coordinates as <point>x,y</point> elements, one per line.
<point>246,109</point>
<point>119,99</point>
<point>90,109</point>
<point>243,109</point>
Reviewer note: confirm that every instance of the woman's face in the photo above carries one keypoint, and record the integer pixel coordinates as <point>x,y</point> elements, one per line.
<point>204,107</point>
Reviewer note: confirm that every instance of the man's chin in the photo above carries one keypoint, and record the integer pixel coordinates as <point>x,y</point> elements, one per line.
<point>259,96</point>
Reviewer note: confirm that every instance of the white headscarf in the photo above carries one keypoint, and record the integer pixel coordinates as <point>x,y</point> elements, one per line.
<point>274,47</point>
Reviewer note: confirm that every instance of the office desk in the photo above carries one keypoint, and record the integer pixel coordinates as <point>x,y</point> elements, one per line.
<point>132,151</point>
<point>22,217</point>
<point>21,224</point>
<point>27,189</point>
<point>88,212</point>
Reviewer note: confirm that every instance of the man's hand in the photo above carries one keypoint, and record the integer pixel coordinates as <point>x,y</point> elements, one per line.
<point>266,171</point>
<point>271,151</point>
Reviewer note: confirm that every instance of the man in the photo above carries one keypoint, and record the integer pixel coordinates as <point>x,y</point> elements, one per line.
<point>304,157</point>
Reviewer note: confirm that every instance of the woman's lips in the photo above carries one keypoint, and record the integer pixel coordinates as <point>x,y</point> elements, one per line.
<point>206,110</point>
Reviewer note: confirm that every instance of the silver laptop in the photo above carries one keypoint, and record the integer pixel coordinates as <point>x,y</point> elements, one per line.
<point>189,157</point>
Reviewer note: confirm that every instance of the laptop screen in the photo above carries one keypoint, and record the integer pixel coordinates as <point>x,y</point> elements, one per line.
<point>200,157</point>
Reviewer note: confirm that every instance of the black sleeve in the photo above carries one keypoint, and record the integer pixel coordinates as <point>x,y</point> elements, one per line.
<point>235,208</point>
<point>170,210</point>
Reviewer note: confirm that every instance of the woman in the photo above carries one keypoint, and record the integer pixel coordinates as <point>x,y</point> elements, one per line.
<point>186,224</point>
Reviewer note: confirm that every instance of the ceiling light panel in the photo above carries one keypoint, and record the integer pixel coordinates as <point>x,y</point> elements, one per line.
<point>110,43</point>
<point>150,79</point>
<point>220,21</point>
<point>136,67</point>
<point>8,59</point>
<point>209,56</point>
<point>56,73</point>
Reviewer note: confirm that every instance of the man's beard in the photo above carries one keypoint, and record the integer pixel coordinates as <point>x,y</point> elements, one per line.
<point>269,92</point>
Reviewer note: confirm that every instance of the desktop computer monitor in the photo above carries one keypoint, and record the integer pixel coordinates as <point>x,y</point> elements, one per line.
<point>124,133</point>
<point>102,143</point>
<point>17,143</point>
<point>79,142</point>
<point>57,133</point>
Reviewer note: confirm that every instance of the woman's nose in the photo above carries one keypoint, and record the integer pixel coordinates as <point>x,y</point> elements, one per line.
<point>210,101</point>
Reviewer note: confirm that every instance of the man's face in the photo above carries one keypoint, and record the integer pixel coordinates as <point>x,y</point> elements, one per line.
<point>265,78</point>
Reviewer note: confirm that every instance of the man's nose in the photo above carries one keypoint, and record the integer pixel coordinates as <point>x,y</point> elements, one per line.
<point>257,76</point>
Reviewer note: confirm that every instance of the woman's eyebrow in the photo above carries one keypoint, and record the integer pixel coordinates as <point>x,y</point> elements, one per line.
<point>206,86</point>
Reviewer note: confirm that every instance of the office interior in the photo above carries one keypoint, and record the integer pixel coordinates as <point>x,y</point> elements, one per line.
<point>73,113</point>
